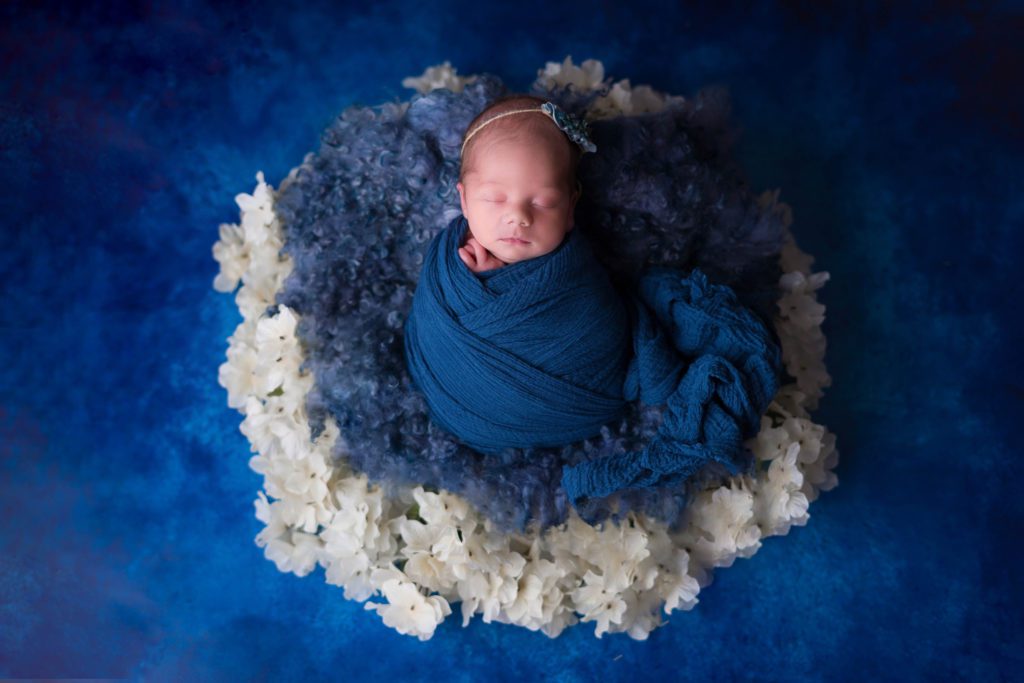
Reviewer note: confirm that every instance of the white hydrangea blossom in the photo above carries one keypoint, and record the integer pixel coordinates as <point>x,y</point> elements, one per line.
<point>623,99</point>
<point>238,373</point>
<point>618,98</point>
<point>721,527</point>
<point>232,253</point>
<point>587,76</point>
<point>422,550</point>
<point>439,76</point>
<point>408,611</point>
<point>799,322</point>
<point>357,538</point>
<point>290,549</point>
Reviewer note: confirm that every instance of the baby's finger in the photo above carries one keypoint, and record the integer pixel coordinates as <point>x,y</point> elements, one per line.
<point>465,256</point>
<point>481,253</point>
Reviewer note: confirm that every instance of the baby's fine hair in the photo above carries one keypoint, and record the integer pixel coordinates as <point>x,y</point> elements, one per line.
<point>512,127</point>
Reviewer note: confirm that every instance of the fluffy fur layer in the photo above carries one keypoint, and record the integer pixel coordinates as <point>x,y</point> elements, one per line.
<point>662,189</point>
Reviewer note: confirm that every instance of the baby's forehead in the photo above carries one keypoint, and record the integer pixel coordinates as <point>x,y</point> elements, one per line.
<point>525,130</point>
<point>517,147</point>
<point>494,162</point>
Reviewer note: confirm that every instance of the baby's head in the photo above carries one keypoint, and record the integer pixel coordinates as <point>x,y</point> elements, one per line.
<point>518,180</point>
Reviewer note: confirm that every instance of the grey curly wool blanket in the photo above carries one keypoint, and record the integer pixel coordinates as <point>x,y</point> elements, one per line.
<point>358,218</point>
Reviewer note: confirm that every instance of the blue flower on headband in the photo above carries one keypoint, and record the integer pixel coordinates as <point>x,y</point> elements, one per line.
<point>572,126</point>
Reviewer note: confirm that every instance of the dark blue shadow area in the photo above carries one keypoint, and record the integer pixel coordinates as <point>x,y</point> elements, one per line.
<point>893,130</point>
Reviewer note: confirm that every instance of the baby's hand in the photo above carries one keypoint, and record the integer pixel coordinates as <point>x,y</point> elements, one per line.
<point>478,259</point>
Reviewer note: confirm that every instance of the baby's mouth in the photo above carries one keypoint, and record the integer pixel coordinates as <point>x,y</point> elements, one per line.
<point>513,240</point>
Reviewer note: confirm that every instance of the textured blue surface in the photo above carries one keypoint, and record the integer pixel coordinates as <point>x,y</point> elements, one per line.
<point>896,135</point>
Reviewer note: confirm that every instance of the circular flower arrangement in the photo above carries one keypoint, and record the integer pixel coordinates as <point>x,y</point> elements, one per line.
<point>422,549</point>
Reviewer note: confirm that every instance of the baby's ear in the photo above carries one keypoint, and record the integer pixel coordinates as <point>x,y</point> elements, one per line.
<point>462,196</point>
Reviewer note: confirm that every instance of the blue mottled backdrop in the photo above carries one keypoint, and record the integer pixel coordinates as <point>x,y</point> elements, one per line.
<point>894,131</point>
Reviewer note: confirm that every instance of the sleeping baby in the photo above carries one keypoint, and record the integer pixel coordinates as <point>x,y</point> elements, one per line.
<point>517,337</point>
<point>517,184</point>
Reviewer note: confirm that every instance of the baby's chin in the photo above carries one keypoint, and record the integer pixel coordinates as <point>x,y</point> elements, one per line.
<point>516,254</point>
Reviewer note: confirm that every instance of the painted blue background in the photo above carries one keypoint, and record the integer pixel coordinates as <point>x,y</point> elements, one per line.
<point>895,133</point>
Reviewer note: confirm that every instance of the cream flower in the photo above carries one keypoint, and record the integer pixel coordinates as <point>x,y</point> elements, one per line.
<point>353,540</point>
<point>232,253</point>
<point>276,429</point>
<point>257,210</point>
<point>643,614</point>
<point>599,601</point>
<point>541,599</point>
<point>352,572</point>
<point>798,308</point>
<point>308,480</point>
<point>238,373</point>
<point>439,76</point>
<point>492,579</point>
<point>807,436</point>
<point>303,515</point>
<point>818,475</point>
<point>352,523</point>
<point>537,597</point>
<point>408,611</point>
<point>779,502</point>
<point>262,282</point>
<point>278,354</point>
<point>440,508</point>
<point>289,549</point>
<point>587,76</point>
<point>430,550</point>
<point>721,528</point>
<point>625,100</point>
<point>675,585</point>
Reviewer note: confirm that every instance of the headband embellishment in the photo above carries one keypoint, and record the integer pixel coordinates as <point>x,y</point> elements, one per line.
<point>574,127</point>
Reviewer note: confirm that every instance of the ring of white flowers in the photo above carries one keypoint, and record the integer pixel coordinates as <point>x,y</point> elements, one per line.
<point>424,550</point>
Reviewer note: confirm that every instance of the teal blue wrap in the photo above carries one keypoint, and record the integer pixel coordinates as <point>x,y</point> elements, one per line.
<point>545,352</point>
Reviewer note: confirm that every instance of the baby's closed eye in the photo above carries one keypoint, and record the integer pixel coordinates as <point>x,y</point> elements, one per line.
<point>541,203</point>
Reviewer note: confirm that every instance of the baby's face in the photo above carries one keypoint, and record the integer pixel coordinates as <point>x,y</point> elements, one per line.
<point>517,199</point>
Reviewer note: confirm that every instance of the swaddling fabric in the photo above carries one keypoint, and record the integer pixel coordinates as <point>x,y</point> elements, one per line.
<point>546,351</point>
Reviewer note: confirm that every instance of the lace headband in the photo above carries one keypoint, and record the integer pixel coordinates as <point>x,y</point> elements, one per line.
<point>572,126</point>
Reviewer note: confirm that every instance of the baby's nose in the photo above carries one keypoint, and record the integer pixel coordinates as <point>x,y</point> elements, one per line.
<point>518,217</point>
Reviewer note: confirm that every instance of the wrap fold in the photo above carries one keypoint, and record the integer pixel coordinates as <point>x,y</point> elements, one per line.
<point>545,352</point>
